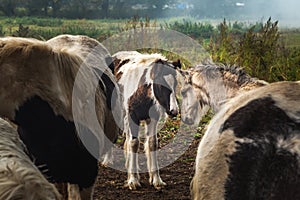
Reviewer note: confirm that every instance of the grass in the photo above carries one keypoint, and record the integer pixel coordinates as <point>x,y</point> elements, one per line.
<point>101,29</point>
<point>47,28</point>
<point>291,38</point>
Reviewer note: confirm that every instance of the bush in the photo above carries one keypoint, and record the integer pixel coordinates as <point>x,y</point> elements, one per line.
<point>196,30</point>
<point>259,51</point>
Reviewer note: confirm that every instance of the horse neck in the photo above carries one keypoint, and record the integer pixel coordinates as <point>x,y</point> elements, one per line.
<point>217,85</point>
<point>232,86</point>
<point>215,93</point>
<point>218,91</point>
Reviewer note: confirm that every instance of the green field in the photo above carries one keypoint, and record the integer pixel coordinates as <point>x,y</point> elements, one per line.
<point>265,50</point>
<point>291,38</point>
<point>47,28</point>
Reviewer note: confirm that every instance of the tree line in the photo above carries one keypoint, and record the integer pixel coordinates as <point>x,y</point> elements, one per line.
<point>91,9</point>
<point>81,8</point>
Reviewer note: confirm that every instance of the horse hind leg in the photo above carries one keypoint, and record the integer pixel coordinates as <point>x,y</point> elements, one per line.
<point>87,193</point>
<point>73,192</point>
<point>62,189</point>
<point>108,158</point>
<point>151,147</point>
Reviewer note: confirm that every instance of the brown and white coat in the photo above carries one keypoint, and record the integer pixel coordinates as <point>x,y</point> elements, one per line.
<point>148,84</point>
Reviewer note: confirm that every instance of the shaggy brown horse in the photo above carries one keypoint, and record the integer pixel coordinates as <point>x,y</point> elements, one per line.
<point>19,177</point>
<point>37,84</point>
<point>211,85</point>
<point>251,149</point>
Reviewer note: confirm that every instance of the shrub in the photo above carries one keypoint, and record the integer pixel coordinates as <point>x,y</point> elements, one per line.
<point>259,51</point>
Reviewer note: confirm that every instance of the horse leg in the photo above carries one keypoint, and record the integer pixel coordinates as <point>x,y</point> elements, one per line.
<point>132,146</point>
<point>87,193</point>
<point>73,192</point>
<point>151,147</point>
<point>62,189</point>
<point>108,158</point>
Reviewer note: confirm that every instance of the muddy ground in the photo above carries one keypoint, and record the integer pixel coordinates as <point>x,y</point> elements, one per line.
<point>110,182</point>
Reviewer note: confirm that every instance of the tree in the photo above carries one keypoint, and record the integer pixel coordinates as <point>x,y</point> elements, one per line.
<point>8,7</point>
<point>38,7</point>
<point>105,7</point>
<point>56,5</point>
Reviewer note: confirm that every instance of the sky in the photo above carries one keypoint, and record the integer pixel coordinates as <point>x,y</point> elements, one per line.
<point>286,11</point>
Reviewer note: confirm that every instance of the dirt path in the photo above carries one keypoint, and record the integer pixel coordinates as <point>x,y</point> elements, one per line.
<point>110,183</point>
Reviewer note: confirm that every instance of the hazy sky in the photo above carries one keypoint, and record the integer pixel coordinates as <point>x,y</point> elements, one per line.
<point>286,11</point>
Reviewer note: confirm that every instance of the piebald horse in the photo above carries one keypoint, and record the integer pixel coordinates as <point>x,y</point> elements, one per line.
<point>148,85</point>
<point>211,85</point>
<point>251,149</point>
<point>37,79</point>
<point>19,177</point>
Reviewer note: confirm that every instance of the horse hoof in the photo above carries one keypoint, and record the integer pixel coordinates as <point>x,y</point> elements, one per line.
<point>133,184</point>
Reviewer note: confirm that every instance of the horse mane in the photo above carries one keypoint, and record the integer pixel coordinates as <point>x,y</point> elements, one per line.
<point>68,66</point>
<point>218,82</point>
<point>64,64</point>
<point>10,46</point>
<point>229,73</point>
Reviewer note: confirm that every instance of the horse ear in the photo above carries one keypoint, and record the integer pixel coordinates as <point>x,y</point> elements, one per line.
<point>177,64</point>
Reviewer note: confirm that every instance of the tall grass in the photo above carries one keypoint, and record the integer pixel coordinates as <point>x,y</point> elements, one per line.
<point>259,51</point>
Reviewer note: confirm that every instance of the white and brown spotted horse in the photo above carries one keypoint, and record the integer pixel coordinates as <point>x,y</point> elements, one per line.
<point>148,84</point>
<point>209,86</point>
<point>251,149</point>
<point>36,85</point>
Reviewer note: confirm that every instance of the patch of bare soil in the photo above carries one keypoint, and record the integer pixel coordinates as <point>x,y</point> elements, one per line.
<point>110,182</point>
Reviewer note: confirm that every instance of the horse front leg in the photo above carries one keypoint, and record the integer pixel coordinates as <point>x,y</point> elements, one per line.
<point>151,148</point>
<point>131,147</point>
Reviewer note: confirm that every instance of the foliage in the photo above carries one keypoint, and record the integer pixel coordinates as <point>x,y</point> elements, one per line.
<point>79,9</point>
<point>262,49</point>
<point>2,33</point>
<point>258,51</point>
<point>46,28</point>
<point>22,31</point>
<point>192,29</point>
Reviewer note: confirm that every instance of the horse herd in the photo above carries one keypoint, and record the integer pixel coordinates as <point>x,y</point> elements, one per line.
<point>64,101</point>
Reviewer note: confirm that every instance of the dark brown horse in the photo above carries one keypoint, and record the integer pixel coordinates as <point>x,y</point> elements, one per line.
<point>19,177</point>
<point>37,84</point>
